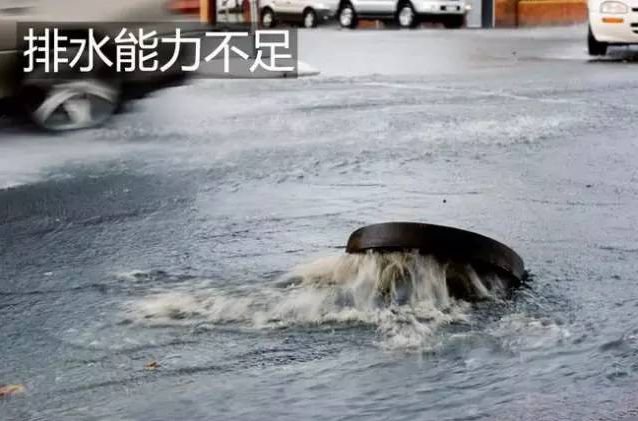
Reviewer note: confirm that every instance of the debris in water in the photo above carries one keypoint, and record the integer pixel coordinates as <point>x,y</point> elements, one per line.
<point>11,390</point>
<point>153,365</point>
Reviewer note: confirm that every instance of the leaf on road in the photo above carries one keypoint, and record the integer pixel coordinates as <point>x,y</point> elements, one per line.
<point>153,365</point>
<point>11,390</point>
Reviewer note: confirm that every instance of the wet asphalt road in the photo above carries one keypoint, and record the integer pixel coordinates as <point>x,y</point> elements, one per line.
<point>155,237</point>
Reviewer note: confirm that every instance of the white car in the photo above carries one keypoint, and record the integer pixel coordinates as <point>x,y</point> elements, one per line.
<point>407,13</point>
<point>308,13</point>
<point>611,22</point>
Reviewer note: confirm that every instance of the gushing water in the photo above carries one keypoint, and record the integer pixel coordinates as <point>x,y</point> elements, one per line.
<point>405,296</point>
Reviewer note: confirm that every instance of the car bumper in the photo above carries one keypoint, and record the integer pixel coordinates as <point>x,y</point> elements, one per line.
<point>606,28</point>
<point>439,7</point>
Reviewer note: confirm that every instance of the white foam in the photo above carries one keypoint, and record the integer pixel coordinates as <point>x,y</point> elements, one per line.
<point>403,295</point>
<point>520,332</point>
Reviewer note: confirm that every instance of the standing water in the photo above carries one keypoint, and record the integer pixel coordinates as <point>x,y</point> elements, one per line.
<point>144,267</point>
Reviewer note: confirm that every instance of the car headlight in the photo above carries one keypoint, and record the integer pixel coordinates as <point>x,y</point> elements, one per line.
<point>613,8</point>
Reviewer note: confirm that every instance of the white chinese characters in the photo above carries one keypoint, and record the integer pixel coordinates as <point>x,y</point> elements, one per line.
<point>128,50</point>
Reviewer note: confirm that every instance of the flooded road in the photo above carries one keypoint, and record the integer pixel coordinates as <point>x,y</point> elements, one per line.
<point>168,236</point>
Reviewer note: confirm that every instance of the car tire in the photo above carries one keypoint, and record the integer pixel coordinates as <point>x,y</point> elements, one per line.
<point>309,18</point>
<point>454,22</point>
<point>347,16</point>
<point>406,17</point>
<point>267,18</point>
<point>64,105</point>
<point>594,47</point>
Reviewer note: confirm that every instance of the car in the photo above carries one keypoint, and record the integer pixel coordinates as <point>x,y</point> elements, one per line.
<point>308,13</point>
<point>611,22</point>
<point>66,101</point>
<point>406,13</point>
<point>230,11</point>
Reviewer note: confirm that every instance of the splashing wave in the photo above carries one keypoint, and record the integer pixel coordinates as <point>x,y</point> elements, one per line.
<point>405,296</point>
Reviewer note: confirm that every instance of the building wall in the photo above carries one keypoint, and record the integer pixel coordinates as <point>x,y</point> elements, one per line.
<point>505,13</point>
<point>510,13</point>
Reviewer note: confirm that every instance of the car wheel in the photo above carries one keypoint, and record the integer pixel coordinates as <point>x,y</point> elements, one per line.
<point>70,105</point>
<point>594,47</point>
<point>406,17</point>
<point>347,16</point>
<point>454,22</point>
<point>268,18</point>
<point>309,18</point>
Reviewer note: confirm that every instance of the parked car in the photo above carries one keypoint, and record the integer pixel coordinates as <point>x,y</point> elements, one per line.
<point>308,13</point>
<point>66,102</point>
<point>407,13</point>
<point>230,11</point>
<point>611,22</point>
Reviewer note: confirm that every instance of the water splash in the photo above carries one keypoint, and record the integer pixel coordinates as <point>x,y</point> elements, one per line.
<point>520,332</point>
<point>405,296</point>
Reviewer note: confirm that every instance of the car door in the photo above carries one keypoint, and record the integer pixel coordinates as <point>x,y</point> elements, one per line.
<point>387,7</point>
<point>375,7</point>
<point>285,7</point>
